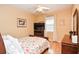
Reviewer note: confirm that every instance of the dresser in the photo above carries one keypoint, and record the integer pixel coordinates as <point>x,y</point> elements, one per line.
<point>39,29</point>
<point>67,47</point>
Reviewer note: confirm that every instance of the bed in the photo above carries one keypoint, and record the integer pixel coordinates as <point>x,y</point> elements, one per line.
<point>26,45</point>
<point>33,45</point>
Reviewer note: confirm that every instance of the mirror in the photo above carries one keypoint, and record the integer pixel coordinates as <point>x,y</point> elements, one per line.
<point>75,23</point>
<point>74,36</point>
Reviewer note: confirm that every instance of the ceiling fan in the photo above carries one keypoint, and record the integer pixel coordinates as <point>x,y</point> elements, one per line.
<point>41,9</point>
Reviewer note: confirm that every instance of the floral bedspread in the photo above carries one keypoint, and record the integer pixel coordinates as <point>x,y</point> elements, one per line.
<point>33,45</point>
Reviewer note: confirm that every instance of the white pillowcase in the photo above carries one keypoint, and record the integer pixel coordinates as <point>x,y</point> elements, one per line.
<point>12,45</point>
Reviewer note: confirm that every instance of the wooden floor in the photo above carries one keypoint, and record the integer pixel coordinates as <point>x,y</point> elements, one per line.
<point>55,48</point>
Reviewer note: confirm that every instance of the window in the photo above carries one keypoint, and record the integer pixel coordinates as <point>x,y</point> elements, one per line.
<point>49,24</point>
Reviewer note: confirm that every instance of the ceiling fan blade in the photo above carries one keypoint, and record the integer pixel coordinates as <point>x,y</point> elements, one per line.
<point>44,8</point>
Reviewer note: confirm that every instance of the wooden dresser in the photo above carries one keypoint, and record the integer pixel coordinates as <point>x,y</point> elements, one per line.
<point>39,29</point>
<point>68,47</point>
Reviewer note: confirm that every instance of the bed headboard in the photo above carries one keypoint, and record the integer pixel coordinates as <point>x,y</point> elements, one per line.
<point>2,46</point>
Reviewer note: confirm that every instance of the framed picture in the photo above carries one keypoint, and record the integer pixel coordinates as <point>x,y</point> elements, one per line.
<point>21,22</point>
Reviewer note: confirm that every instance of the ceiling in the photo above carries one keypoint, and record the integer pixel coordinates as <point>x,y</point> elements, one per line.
<point>31,7</point>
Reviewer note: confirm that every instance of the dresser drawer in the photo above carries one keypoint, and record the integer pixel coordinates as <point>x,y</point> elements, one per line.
<point>69,48</point>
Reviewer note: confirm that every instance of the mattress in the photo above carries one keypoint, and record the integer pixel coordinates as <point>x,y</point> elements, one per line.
<point>33,45</point>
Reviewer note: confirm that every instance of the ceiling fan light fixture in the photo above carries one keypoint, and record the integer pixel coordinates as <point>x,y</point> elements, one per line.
<point>42,9</point>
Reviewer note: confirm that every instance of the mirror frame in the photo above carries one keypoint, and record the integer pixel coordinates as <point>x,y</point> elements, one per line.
<point>75,22</point>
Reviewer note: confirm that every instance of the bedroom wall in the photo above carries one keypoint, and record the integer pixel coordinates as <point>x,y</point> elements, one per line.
<point>8,21</point>
<point>63,20</point>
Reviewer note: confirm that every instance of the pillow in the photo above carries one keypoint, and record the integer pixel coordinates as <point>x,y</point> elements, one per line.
<point>12,45</point>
